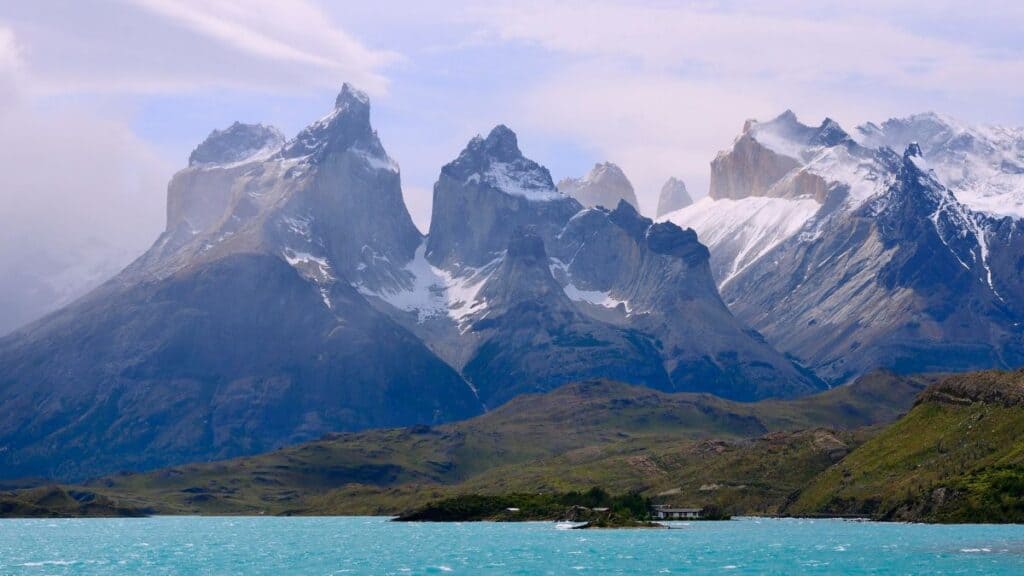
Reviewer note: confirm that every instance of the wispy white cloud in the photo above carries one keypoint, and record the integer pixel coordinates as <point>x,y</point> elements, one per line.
<point>10,65</point>
<point>82,196</point>
<point>702,40</point>
<point>181,46</point>
<point>660,86</point>
<point>9,51</point>
<point>296,32</point>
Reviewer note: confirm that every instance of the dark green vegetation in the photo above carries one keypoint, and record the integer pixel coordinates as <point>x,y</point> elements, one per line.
<point>594,506</point>
<point>958,456</point>
<point>679,449</point>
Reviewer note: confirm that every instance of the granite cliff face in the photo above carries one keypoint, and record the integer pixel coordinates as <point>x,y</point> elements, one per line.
<point>485,194</point>
<point>330,196</point>
<point>240,330</point>
<point>605,185</point>
<point>765,160</point>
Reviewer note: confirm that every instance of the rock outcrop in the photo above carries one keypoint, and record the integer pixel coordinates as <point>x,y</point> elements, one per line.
<point>673,196</point>
<point>605,185</point>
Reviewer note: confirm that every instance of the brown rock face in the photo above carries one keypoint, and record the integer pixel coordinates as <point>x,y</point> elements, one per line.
<point>749,169</point>
<point>801,184</point>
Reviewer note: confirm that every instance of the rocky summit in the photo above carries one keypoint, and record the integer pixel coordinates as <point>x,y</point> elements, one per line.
<point>673,196</point>
<point>605,185</point>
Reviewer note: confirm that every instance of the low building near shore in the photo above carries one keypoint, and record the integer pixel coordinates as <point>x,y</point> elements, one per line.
<point>662,512</point>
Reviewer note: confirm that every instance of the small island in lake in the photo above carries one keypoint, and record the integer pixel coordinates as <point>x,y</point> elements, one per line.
<point>595,508</point>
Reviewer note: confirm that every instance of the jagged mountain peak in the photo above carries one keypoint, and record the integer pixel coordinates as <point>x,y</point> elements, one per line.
<point>982,165</point>
<point>674,196</point>
<point>915,165</point>
<point>328,202</point>
<point>351,97</point>
<point>668,238</point>
<point>482,195</point>
<point>606,170</point>
<point>788,115</point>
<point>626,217</point>
<point>502,144</point>
<point>497,163</point>
<point>237,143</point>
<point>830,133</point>
<point>605,185</point>
<point>786,135</point>
<point>346,126</point>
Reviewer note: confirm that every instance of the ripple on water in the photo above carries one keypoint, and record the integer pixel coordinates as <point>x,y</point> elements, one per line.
<point>286,546</point>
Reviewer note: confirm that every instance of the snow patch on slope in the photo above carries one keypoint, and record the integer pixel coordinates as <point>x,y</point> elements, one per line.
<point>433,292</point>
<point>982,165</point>
<point>511,179</point>
<point>864,177</point>
<point>374,160</point>
<point>314,268</point>
<point>751,226</point>
<point>603,298</point>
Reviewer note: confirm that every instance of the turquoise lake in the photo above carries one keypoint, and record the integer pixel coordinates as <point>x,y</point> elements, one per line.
<point>311,546</point>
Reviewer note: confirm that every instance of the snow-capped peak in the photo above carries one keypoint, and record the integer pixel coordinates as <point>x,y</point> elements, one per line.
<point>914,155</point>
<point>350,95</point>
<point>346,126</point>
<point>497,162</point>
<point>237,144</point>
<point>982,165</point>
<point>787,136</point>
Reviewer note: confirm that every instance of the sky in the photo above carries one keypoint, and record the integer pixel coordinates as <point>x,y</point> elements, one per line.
<point>102,100</point>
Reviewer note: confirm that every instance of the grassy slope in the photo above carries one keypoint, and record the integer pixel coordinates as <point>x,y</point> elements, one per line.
<point>56,502</point>
<point>958,456</point>
<point>597,433</point>
<point>748,476</point>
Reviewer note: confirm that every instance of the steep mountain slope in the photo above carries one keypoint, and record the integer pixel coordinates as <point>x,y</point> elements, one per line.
<point>905,281</point>
<point>533,338</point>
<point>778,177</point>
<point>239,330</point>
<point>956,457</point>
<point>620,297</point>
<point>850,257</point>
<point>579,435</point>
<point>673,196</point>
<point>655,278</point>
<point>605,185</point>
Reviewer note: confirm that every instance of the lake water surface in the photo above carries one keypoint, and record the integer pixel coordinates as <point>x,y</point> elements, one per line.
<point>311,546</point>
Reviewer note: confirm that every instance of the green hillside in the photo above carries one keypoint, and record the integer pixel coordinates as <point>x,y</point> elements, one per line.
<point>681,448</point>
<point>958,456</point>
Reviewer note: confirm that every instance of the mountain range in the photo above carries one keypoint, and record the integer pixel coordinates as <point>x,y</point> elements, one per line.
<point>291,296</point>
<point>849,255</point>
